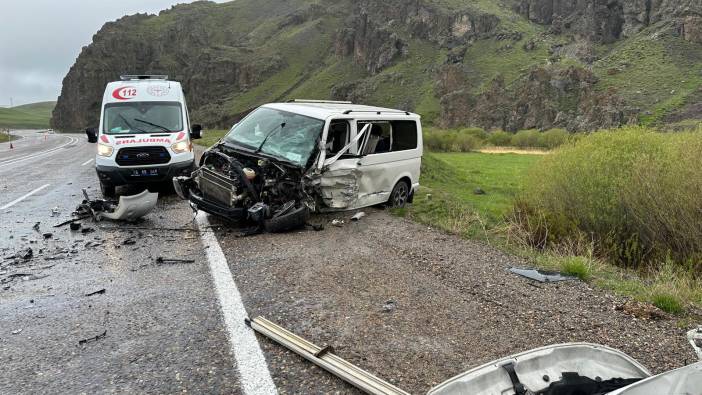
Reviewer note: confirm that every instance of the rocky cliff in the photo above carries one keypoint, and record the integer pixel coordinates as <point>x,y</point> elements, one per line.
<point>511,65</point>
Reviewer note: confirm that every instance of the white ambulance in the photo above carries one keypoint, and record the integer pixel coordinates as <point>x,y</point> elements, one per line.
<point>144,134</point>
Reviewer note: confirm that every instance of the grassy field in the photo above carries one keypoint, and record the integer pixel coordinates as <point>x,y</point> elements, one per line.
<point>28,116</point>
<point>210,137</point>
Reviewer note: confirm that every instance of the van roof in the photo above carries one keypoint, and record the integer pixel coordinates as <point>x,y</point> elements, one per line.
<point>141,90</point>
<point>325,109</point>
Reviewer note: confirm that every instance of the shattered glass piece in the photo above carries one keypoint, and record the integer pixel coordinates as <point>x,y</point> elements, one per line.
<point>542,276</point>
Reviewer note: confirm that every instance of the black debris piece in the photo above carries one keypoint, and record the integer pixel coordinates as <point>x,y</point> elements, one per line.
<point>36,226</point>
<point>317,227</point>
<point>171,261</point>
<point>98,292</point>
<point>129,242</point>
<point>93,339</point>
<point>87,230</point>
<point>71,221</point>
<point>542,276</point>
<point>48,235</point>
<point>25,254</point>
<point>75,226</point>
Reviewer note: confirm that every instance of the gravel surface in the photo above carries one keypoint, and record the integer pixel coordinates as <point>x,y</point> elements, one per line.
<point>416,306</point>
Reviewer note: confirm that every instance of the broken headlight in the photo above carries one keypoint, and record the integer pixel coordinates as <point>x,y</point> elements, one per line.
<point>104,150</point>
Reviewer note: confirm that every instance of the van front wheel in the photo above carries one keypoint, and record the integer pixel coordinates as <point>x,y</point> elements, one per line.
<point>399,195</point>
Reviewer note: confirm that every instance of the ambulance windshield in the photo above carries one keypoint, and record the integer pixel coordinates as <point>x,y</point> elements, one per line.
<point>142,117</point>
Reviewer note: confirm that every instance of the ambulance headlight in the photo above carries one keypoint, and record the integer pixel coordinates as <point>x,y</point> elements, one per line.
<point>180,147</point>
<point>104,150</point>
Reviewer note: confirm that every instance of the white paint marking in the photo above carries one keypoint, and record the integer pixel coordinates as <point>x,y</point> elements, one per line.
<point>12,161</point>
<point>253,370</point>
<point>12,203</point>
<point>87,162</point>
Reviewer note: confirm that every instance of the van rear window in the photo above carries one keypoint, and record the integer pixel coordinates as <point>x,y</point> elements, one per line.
<point>142,117</point>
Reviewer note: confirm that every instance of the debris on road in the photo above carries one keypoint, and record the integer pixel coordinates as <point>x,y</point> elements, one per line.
<point>542,276</point>
<point>390,306</point>
<point>170,261</point>
<point>17,332</point>
<point>324,358</point>
<point>93,339</point>
<point>75,226</point>
<point>87,230</point>
<point>48,235</point>
<point>129,242</point>
<point>337,222</point>
<point>55,212</point>
<point>358,216</point>
<point>129,208</point>
<point>98,292</point>
<point>36,226</point>
<point>25,254</point>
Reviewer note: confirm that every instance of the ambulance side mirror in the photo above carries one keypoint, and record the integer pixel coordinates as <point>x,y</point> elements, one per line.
<point>196,131</point>
<point>92,135</point>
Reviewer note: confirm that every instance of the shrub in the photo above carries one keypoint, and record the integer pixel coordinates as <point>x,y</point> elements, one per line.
<point>576,266</point>
<point>478,133</point>
<point>500,138</point>
<point>553,138</point>
<point>667,302</point>
<point>452,141</point>
<point>526,139</point>
<point>633,192</point>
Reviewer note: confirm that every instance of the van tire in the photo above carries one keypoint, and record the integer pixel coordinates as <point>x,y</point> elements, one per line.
<point>295,219</point>
<point>400,195</point>
<point>107,189</point>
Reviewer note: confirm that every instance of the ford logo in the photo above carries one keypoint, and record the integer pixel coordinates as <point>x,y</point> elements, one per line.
<point>142,155</point>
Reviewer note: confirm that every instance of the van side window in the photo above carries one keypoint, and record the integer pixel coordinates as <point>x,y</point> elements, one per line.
<point>338,137</point>
<point>389,136</point>
<point>404,135</point>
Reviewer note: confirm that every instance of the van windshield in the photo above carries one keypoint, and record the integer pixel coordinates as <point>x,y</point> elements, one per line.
<point>142,117</point>
<point>285,135</point>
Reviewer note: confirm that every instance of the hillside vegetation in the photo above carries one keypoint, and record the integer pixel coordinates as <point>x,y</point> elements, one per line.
<point>28,116</point>
<point>509,65</point>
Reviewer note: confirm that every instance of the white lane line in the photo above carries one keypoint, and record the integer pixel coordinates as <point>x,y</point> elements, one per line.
<point>39,154</point>
<point>253,370</point>
<point>12,203</point>
<point>86,162</point>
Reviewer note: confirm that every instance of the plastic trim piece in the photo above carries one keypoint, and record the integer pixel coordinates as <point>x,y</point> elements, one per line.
<point>325,359</point>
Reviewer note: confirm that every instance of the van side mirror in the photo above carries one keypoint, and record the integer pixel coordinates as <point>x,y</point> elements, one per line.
<point>196,131</point>
<point>92,135</point>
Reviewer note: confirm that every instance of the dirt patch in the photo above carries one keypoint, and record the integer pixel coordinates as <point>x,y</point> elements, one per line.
<point>416,306</point>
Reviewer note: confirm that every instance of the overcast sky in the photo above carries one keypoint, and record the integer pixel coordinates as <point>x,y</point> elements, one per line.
<point>41,39</point>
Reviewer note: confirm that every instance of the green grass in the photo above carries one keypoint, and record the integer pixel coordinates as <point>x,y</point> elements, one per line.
<point>667,302</point>
<point>4,137</point>
<point>28,116</point>
<point>210,137</point>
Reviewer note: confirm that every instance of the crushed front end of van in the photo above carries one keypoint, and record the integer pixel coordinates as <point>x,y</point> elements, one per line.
<point>283,162</point>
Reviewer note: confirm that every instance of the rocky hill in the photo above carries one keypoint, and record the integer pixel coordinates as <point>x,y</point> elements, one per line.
<point>507,64</point>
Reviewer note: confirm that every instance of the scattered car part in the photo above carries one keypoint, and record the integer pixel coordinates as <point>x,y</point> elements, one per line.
<point>684,381</point>
<point>358,216</point>
<point>25,254</point>
<point>98,292</point>
<point>542,276</point>
<point>695,338</point>
<point>551,370</point>
<point>93,339</point>
<point>171,261</point>
<point>293,219</point>
<point>337,222</point>
<point>129,208</point>
<point>324,358</point>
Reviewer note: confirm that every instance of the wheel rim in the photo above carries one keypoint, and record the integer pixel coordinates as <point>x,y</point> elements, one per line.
<point>400,196</point>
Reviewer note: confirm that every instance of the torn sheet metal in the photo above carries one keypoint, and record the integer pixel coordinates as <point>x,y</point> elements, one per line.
<point>542,276</point>
<point>340,187</point>
<point>683,381</point>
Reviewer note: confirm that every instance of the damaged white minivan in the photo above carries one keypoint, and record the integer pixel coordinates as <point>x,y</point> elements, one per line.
<point>286,160</point>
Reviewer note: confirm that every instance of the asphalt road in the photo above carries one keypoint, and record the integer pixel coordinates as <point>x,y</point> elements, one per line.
<point>410,304</point>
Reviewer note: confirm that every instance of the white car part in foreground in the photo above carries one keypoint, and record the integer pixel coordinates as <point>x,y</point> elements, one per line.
<point>573,368</point>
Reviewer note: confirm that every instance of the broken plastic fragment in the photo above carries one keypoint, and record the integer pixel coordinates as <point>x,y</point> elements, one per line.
<point>541,275</point>
<point>358,216</point>
<point>133,207</point>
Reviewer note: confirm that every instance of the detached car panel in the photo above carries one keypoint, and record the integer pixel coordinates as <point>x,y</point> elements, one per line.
<point>285,160</point>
